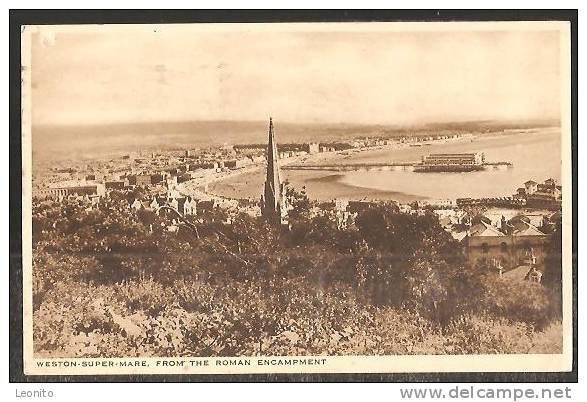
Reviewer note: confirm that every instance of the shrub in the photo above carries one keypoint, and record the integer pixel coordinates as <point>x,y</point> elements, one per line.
<point>478,334</point>
<point>550,340</point>
<point>50,269</point>
<point>522,301</point>
<point>145,295</point>
<point>105,286</point>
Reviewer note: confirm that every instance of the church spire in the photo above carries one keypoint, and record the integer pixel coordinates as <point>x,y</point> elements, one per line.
<point>271,201</point>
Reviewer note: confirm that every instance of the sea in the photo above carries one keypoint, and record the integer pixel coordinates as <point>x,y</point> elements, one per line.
<point>535,154</point>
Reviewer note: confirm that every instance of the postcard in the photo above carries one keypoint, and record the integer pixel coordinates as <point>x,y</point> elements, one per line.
<point>366,197</point>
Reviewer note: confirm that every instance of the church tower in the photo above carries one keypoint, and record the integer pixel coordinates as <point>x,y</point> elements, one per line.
<point>271,201</point>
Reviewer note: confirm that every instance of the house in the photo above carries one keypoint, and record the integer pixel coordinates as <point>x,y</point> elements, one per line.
<point>443,203</point>
<point>534,275</point>
<point>157,202</point>
<point>463,218</point>
<point>546,195</point>
<point>76,187</point>
<point>459,236</point>
<point>173,203</point>
<point>258,158</point>
<point>139,180</point>
<point>536,219</point>
<point>171,180</point>
<point>171,184</point>
<point>237,163</point>
<point>207,205</point>
<point>484,228</point>
<point>156,178</point>
<point>517,243</point>
<point>521,225</point>
<point>92,200</point>
<point>172,228</point>
<point>186,206</point>
<point>136,204</point>
<point>445,221</point>
<point>531,187</point>
<point>114,185</point>
<point>141,205</point>
<point>311,148</point>
<point>463,159</point>
<point>550,183</point>
<point>183,178</point>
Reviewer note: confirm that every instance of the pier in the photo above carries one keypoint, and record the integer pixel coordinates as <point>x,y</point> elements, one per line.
<point>354,166</point>
<point>401,166</point>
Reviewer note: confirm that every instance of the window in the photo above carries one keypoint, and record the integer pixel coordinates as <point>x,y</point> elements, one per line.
<point>485,248</point>
<point>504,247</point>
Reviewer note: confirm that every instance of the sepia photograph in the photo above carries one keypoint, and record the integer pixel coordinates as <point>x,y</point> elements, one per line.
<point>346,197</point>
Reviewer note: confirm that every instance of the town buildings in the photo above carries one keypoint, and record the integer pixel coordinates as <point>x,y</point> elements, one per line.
<point>517,243</point>
<point>513,234</point>
<point>542,195</point>
<point>506,241</point>
<point>144,179</point>
<point>76,187</point>
<point>465,162</point>
<point>237,163</point>
<point>184,205</point>
<point>114,185</point>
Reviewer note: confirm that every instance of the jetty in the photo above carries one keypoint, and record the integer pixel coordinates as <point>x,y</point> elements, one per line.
<point>465,162</point>
<point>354,166</point>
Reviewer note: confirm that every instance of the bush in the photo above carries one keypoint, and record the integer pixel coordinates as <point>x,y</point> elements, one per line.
<point>103,285</point>
<point>550,340</point>
<point>145,295</point>
<point>523,301</point>
<point>479,334</point>
<point>51,269</point>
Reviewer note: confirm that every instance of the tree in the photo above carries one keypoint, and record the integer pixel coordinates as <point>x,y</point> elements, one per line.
<point>299,202</point>
<point>553,266</point>
<point>319,230</point>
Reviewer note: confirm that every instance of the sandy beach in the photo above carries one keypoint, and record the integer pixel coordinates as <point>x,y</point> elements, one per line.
<point>247,182</point>
<point>531,153</point>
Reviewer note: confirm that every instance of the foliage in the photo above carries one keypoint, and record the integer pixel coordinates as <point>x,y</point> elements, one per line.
<point>108,281</point>
<point>552,277</point>
<point>277,318</point>
<point>299,202</point>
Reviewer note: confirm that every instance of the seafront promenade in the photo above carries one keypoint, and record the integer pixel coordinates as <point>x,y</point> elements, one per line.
<point>198,187</point>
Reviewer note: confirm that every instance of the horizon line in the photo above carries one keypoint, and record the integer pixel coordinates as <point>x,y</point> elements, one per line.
<point>289,122</point>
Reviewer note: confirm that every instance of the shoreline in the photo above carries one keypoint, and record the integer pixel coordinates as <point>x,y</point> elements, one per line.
<point>324,185</point>
<point>199,187</point>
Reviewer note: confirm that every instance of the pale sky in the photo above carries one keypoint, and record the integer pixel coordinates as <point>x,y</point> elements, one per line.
<point>109,75</point>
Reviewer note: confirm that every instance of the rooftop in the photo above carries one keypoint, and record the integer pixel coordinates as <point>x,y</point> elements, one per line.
<point>74,183</point>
